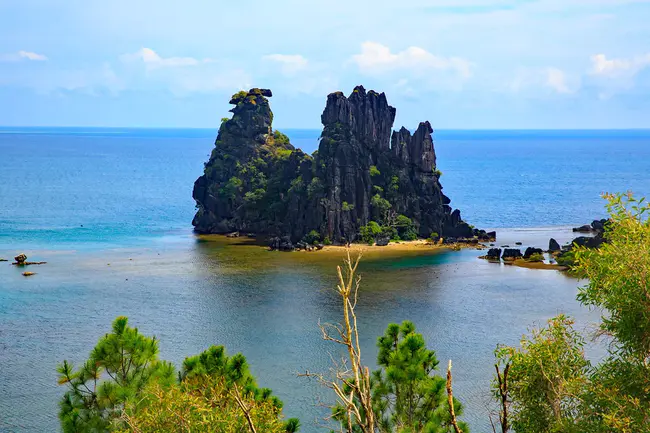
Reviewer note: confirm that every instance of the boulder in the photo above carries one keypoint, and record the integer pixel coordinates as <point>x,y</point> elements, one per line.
<point>233,235</point>
<point>518,243</point>
<point>494,254</point>
<point>588,242</point>
<point>492,236</point>
<point>281,244</point>
<point>286,244</point>
<point>382,242</point>
<point>553,246</point>
<point>320,246</point>
<point>530,251</point>
<point>20,259</point>
<point>274,243</point>
<point>599,225</point>
<point>511,254</point>
<point>583,229</point>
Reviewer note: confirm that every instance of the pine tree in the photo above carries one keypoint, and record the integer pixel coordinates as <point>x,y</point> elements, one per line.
<point>118,368</point>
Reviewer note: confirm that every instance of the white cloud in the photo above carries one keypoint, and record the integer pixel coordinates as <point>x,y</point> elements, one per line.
<point>290,64</point>
<point>150,58</point>
<point>611,68</point>
<point>31,56</point>
<point>556,79</point>
<point>532,80</point>
<point>376,58</point>
<point>23,55</point>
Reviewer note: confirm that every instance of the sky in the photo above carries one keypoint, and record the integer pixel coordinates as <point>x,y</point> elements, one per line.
<point>461,64</point>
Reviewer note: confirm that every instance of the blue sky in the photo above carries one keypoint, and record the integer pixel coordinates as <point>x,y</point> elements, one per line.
<point>458,63</point>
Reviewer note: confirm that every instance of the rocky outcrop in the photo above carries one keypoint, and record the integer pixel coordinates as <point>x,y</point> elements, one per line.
<point>256,181</point>
<point>597,226</point>
<point>511,254</point>
<point>587,242</point>
<point>553,246</point>
<point>492,254</point>
<point>531,251</point>
<point>281,244</point>
<point>21,260</point>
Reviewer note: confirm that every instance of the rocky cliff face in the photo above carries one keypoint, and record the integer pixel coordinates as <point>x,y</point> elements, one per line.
<point>256,181</point>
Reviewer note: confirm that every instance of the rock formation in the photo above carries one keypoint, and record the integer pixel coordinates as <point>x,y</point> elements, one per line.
<point>530,251</point>
<point>493,254</point>
<point>553,246</point>
<point>256,181</point>
<point>511,254</point>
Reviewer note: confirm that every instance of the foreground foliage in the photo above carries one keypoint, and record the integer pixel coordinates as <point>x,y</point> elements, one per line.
<point>217,394</point>
<point>118,368</point>
<point>546,385</point>
<point>407,396</point>
<point>404,395</point>
<point>124,387</point>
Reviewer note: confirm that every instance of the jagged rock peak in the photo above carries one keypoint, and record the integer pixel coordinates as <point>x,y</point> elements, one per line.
<point>366,114</point>
<point>415,149</point>
<point>252,115</point>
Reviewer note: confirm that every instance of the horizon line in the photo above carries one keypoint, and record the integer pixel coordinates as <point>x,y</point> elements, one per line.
<point>316,129</point>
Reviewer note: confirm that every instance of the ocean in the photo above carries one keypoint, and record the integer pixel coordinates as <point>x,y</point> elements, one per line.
<point>110,210</point>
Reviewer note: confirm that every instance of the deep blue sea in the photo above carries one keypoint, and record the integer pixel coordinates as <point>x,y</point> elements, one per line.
<point>110,210</point>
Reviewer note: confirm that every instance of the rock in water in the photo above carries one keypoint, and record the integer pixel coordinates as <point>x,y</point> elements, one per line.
<point>530,251</point>
<point>256,181</point>
<point>553,245</point>
<point>20,259</point>
<point>493,254</point>
<point>511,254</point>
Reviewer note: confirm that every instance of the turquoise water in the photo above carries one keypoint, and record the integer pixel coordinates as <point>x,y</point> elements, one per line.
<point>110,212</point>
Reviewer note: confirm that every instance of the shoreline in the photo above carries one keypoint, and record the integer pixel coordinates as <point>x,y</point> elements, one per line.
<point>393,249</point>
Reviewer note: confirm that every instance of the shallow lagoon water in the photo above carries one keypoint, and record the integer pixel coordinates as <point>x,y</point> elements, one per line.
<point>88,201</point>
<point>193,293</point>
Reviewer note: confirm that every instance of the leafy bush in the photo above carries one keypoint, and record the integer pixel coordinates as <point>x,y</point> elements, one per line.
<point>566,259</point>
<point>381,206</point>
<point>390,232</point>
<point>327,241</point>
<point>369,232</point>
<point>374,171</point>
<point>280,138</point>
<point>347,207</point>
<point>537,257</point>
<point>405,228</point>
<point>313,237</point>
<point>315,187</point>
<point>233,187</point>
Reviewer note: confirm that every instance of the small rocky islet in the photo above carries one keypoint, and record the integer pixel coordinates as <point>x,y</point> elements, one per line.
<point>562,255</point>
<point>364,178</point>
